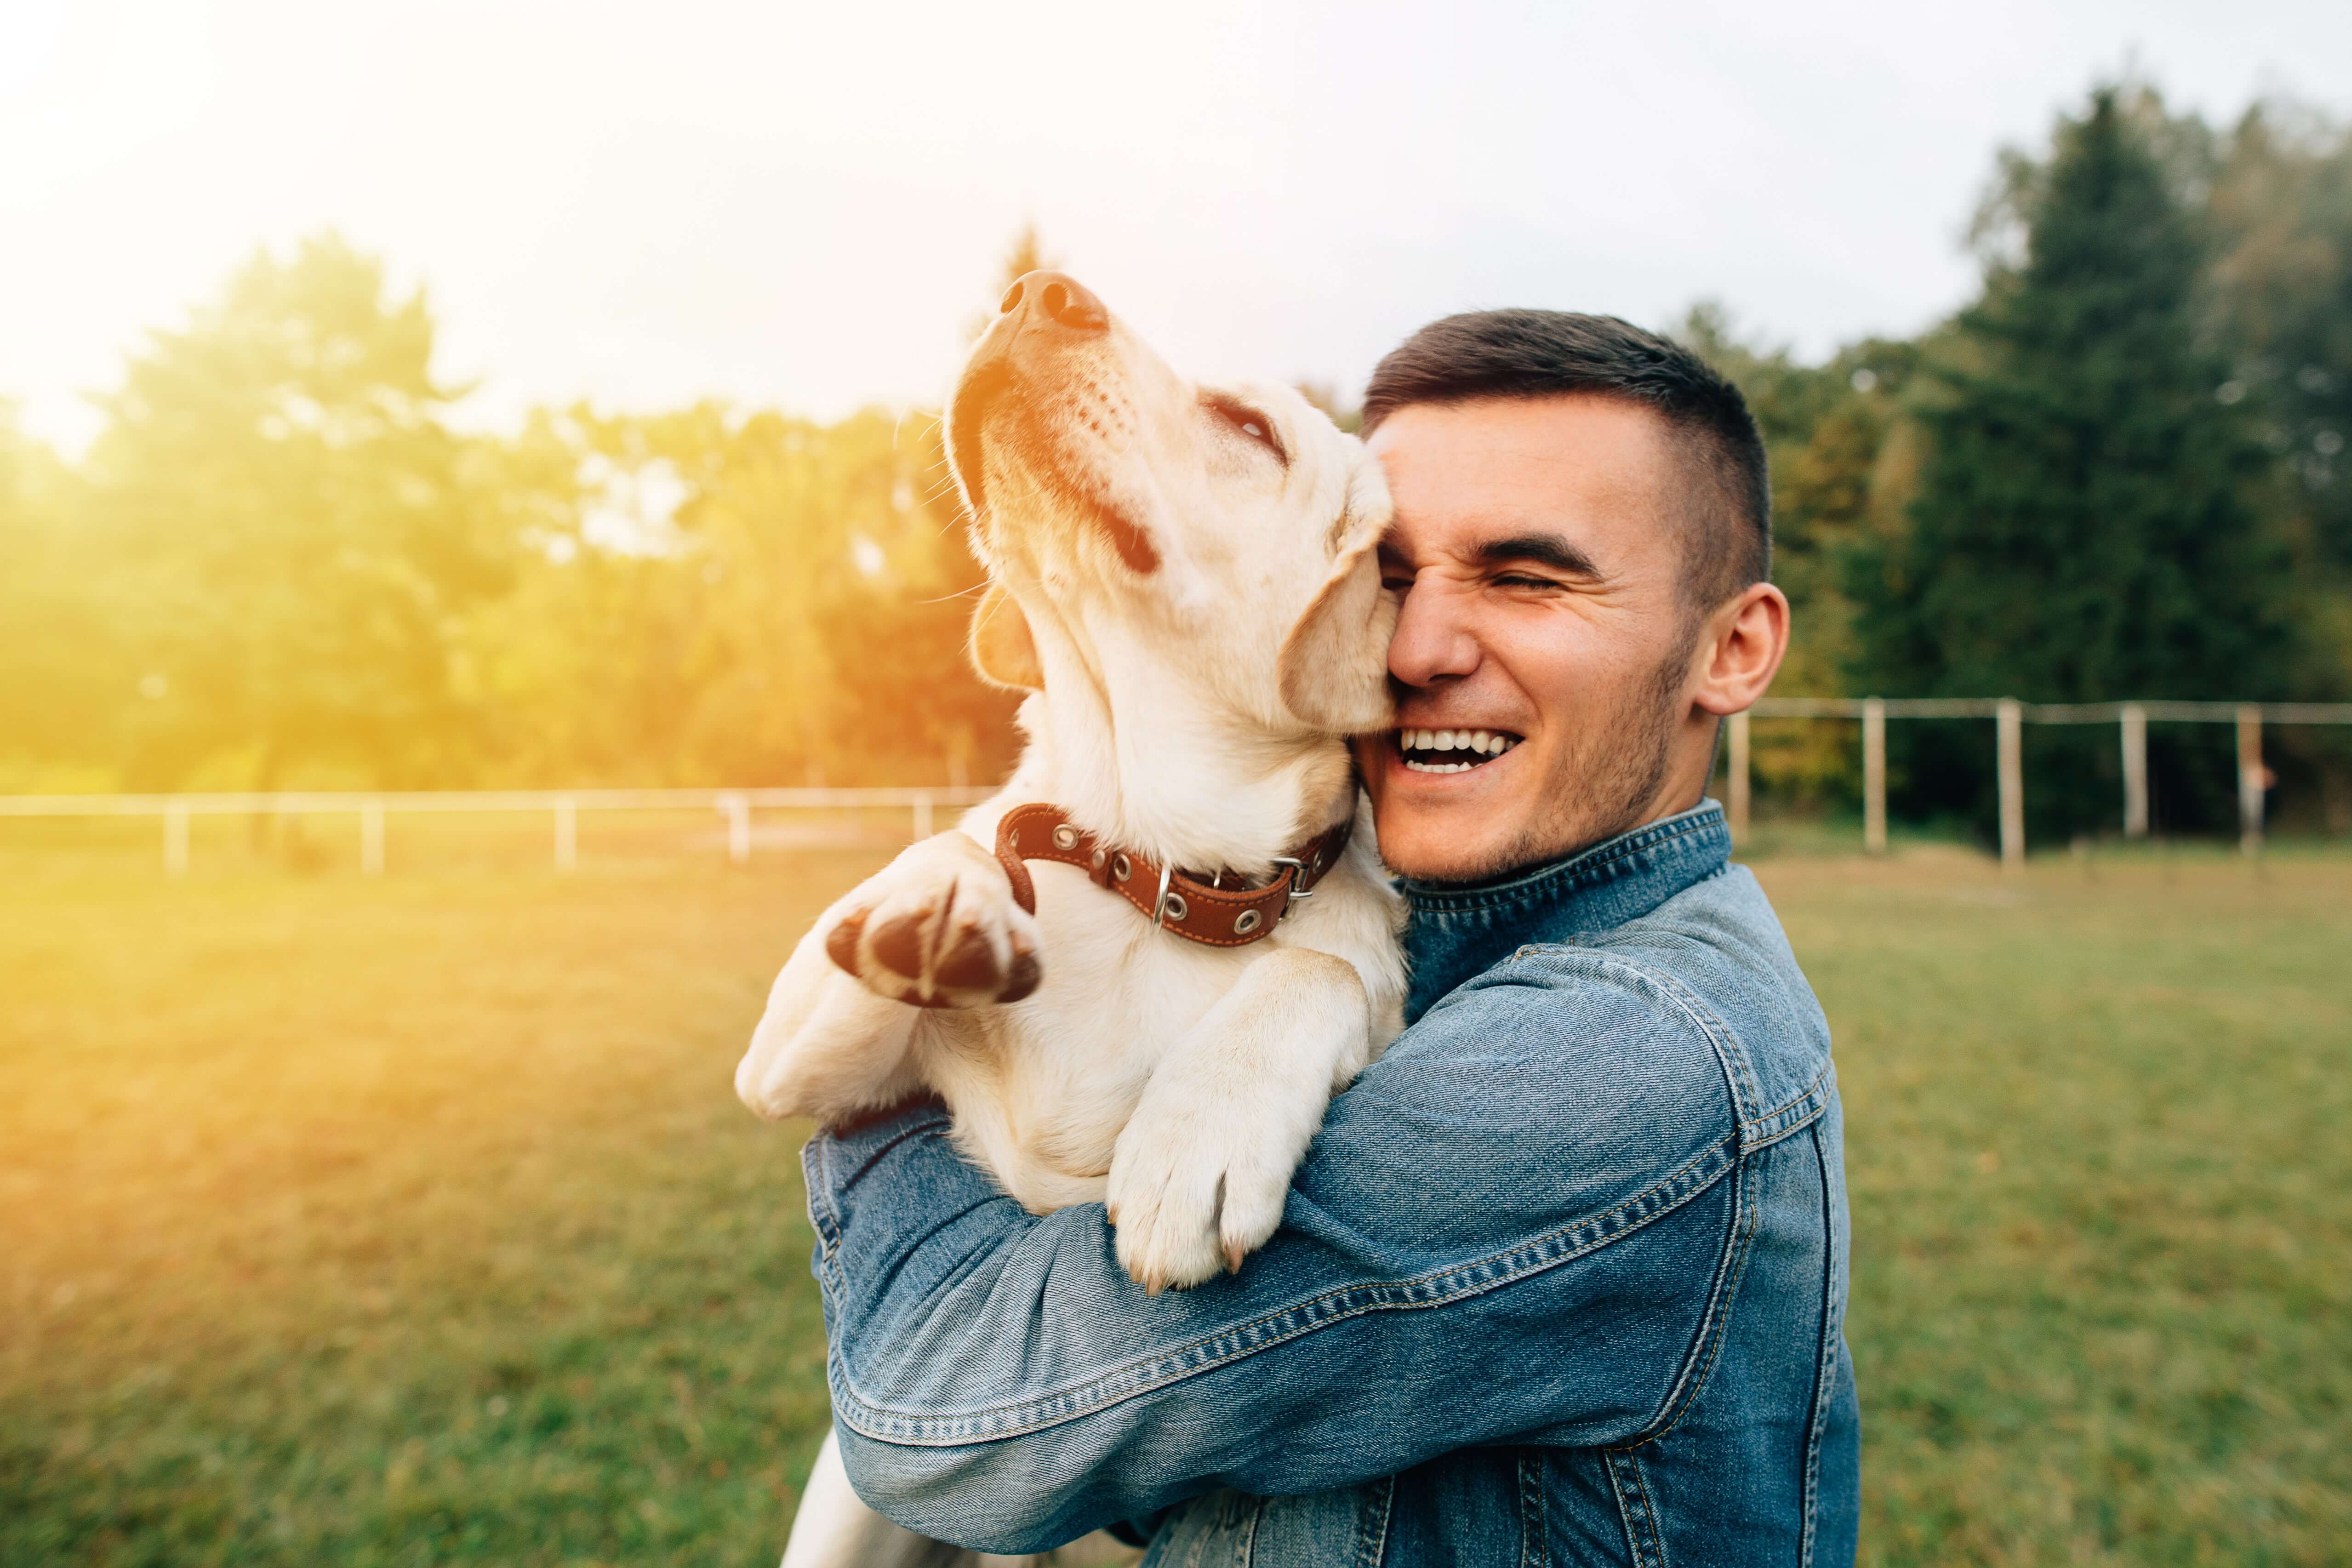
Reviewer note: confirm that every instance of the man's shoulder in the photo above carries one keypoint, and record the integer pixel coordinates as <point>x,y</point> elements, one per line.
<point>1694,1014</point>
<point>1718,949</point>
<point>1569,1066</point>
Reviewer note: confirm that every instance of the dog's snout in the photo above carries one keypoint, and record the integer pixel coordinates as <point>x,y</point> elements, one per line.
<point>1057,298</point>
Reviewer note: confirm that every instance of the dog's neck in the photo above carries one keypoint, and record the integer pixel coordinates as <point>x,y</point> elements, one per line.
<point>1141,757</point>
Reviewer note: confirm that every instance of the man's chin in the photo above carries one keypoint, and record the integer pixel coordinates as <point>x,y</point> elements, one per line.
<point>1432,847</point>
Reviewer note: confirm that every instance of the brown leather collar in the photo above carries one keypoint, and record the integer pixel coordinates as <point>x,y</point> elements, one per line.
<point>1195,910</point>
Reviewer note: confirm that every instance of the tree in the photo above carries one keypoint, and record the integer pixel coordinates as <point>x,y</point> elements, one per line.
<point>65,675</point>
<point>2083,527</point>
<point>2281,295</point>
<point>1827,431</point>
<point>294,536</point>
<point>792,609</point>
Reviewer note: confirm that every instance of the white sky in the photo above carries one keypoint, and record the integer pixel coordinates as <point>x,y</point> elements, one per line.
<point>804,205</point>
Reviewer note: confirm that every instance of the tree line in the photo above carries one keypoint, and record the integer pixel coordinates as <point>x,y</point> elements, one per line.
<point>2118,472</point>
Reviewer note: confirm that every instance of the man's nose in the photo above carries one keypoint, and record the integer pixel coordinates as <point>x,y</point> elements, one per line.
<point>1433,642</point>
<point>1056,299</point>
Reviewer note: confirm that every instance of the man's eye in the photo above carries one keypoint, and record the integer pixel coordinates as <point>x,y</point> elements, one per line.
<point>1249,423</point>
<point>1514,579</point>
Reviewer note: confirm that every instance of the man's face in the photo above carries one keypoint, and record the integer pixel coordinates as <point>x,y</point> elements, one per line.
<point>1544,628</point>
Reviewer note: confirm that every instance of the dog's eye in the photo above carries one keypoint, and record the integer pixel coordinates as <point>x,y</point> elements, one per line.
<point>1249,423</point>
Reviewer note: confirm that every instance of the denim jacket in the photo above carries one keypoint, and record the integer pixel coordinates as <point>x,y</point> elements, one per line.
<point>1560,1280</point>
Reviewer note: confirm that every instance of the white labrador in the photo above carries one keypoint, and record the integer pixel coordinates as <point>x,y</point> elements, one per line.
<point>1183,578</point>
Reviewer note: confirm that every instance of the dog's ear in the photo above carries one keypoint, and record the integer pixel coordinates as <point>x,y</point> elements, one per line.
<point>1335,661</point>
<point>1002,649</point>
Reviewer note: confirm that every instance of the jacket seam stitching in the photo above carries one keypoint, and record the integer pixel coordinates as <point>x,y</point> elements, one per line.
<point>1715,1329</point>
<point>1649,1507</point>
<point>1809,1098</point>
<point>1732,1262</point>
<point>1641,1532</point>
<point>1730,1056</point>
<point>1532,1549</point>
<point>1438,1287</point>
<point>827,1223</point>
<point>1718,1034</point>
<point>1821,1364</point>
<point>1372,1548</point>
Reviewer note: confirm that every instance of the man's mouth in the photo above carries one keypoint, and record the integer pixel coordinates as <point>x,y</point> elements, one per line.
<point>1452,750</point>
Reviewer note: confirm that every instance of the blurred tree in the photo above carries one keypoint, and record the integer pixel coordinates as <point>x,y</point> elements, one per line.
<point>1826,429</point>
<point>66,678</point>
<point>752,599</point>
<point>295,538</point>
<point>2282,290</point>
<point>2083,527</point>
<point>2281,294</point>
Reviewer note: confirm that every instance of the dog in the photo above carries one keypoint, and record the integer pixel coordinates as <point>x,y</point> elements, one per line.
<point>1136,973</point>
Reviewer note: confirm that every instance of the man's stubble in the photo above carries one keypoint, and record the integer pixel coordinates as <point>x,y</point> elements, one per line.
<point>1617,767</point>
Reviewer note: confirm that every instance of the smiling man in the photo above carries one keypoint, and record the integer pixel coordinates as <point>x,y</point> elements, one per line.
<point>1562,1280</point>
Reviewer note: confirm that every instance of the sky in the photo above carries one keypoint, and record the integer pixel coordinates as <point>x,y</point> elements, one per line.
<point>807,207</point>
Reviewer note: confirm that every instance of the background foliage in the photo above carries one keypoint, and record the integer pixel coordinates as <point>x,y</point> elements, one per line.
<point>2117,473</point>
<point>2120,472</point>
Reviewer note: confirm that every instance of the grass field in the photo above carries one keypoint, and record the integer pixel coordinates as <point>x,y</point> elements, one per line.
<point>412,1220</point>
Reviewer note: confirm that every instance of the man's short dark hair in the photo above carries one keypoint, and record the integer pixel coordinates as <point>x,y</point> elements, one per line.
<point>1546,353</point>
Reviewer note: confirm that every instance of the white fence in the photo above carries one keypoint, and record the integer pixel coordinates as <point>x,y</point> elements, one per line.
<point>2010,716</point>
<point>563,807</point>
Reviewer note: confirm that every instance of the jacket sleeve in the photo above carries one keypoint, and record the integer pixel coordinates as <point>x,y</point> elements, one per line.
<point>1516,1224</point>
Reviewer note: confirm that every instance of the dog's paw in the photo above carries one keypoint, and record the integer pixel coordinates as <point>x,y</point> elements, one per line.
<point>937,927</point>
<point>1197,1184</point>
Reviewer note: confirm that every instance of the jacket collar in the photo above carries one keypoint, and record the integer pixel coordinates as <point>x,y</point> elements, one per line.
<point>1461,929</point>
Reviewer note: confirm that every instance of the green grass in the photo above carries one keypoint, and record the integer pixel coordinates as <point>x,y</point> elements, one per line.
<point>412,1220</point>
<point>2102,1198</point>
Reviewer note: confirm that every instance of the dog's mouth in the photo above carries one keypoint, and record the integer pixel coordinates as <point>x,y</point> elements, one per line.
<point>1452,750</point>
<point>984,396</point>
<point>976,397</point>
<point>1108,518</point>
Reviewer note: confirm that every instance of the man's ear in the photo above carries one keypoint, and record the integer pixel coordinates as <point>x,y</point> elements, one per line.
<point>1000,647</point>
<point>1334,663</point>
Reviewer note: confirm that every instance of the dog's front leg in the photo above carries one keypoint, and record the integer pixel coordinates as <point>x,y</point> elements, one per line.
<point>1200,1172</point>
<point>936,927</point>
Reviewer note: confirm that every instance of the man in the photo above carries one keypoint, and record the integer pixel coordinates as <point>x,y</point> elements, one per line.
<point>1563,1278</point>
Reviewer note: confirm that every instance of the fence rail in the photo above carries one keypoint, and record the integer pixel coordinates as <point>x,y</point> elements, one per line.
<point>2009,716</point>
<point>563,806</point>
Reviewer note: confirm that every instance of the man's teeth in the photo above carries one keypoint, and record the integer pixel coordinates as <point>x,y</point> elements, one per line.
<point>1486,743</point>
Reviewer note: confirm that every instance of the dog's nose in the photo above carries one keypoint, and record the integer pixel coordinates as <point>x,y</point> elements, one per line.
<point>1060,298</point>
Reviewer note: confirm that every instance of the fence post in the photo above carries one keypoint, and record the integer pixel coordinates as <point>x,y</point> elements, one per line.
<point>567,834</point>
<point>922,815</point>
<point>2251,777</point>
<point>739,827</point>
<point>1873,775</point>
<point>1738,804</point>
<point>2008,720</point>
<point>175,839</point>
<point>372,839</point>
<point>2134,772</point>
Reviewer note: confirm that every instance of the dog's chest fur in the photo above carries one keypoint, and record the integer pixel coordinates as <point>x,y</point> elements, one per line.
<point>1041,1089</point>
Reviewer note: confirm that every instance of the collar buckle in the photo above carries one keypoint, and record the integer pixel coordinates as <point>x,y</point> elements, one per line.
<point>1292,894</point>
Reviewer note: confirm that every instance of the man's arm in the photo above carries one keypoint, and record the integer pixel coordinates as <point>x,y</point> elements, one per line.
<point>1518,1223</point>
